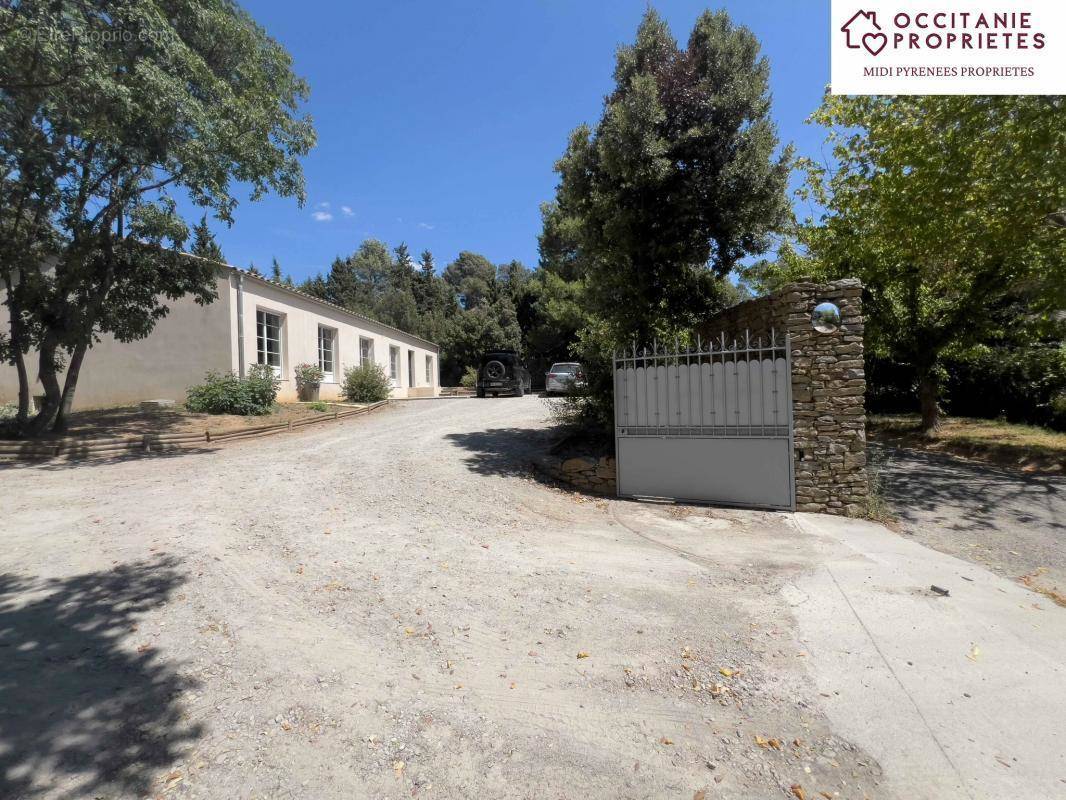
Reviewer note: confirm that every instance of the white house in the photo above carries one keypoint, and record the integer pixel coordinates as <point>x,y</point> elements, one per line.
<point>253,321</point>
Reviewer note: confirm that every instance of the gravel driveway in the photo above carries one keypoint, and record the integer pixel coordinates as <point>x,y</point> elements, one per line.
<point>391,606</point>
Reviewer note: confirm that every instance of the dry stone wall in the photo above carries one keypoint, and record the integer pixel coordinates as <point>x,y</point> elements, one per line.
<point>828,388</point>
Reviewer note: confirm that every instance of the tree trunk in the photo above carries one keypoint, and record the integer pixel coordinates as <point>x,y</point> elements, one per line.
<point>17,344</point>
<point>69,385</point>
<point>53,396</point>
<point>928,396</point>
<point>24,391</point>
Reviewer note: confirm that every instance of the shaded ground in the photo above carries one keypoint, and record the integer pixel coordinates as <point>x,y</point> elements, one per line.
<point>1028,448</point>
<point>391,607</point>
<point>80,700</point>
<point>134,421</point>
<point>1011,522</point>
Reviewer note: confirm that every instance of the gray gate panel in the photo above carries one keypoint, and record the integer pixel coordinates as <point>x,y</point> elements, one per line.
<point>732,471</point>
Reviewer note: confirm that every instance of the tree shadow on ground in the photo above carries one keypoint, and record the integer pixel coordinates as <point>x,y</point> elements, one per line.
<point>84,711</point>
<point>76,458</point>
<point>503,451</point>
<point>962,495</point>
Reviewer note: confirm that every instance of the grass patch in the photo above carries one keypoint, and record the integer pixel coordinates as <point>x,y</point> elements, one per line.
<point>1029,447</point>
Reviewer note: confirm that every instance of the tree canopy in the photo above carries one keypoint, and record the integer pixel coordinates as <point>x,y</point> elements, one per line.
<point>681,178</point>
<point>939,204</point>
<point>679,182</point>
<point>105,109</point>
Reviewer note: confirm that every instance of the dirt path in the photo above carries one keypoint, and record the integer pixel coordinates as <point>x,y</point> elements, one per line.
<point>392,607</point>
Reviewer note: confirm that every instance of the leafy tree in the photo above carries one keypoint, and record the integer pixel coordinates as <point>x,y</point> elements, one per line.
<point>472,277</point>
<point>95,130</point>
<point>470,333</point>
<point>204,244</point>
<point>374,267</point>
<point>254,270</point>
<point>551,314</point>
<point>428,269</point>
<point>939,205</point>
<point>678,182</point>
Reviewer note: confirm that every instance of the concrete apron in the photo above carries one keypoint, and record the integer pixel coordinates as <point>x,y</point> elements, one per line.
<point>957,697</point>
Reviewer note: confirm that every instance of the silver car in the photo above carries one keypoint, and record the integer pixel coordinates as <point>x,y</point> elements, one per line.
<point>563,377</point>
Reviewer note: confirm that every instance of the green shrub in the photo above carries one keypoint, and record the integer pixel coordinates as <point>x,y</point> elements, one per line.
<point>366,383</point>
<point>309,375</point>
<point>227,393</point>
<point>469,379</point>
<point>318,405</point>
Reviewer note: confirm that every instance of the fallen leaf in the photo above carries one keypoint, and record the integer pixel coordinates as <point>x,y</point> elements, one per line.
<point>409,631</point>
<point>582,654</point>
<point>763,742</point>
<point>397,767</point>
<point>974,654</point>
<point>797,790</point>
<point>726,671</point>
<point>700,795</point>
<point>664,740</point>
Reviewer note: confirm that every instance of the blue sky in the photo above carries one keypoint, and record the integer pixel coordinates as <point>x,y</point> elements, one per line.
<point>439,122</point>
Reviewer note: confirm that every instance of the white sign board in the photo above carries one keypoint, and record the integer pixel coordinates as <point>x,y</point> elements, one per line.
<point>948,46</point>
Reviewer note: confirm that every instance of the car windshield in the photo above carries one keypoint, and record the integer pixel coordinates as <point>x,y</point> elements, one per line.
<point>564,369</point>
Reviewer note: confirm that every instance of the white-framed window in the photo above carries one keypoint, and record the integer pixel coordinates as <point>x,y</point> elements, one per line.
<point>366,350</point>
<point>268,339</point>
<point>327,353</point>
<point>394,364</point>
<point>429,370</point>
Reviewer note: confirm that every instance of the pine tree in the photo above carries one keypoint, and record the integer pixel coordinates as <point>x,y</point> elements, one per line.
<point>679,181</point>
<point>427,266</point>
<point>275,270</point>
<point>204,244</point>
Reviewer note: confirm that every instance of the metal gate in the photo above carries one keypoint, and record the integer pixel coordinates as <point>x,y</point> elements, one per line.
<point>711,423</point>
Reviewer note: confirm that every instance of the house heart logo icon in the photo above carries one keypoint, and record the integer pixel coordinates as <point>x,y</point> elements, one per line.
<point>874,42</point>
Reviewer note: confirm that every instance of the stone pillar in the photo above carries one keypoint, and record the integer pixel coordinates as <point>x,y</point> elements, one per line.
<point>828,399</point>
<point>828,388</point>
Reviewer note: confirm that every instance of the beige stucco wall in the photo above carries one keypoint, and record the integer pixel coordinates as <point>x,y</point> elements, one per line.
<point>185,344</point>
<point>301,317</point>
<point>193,339</point>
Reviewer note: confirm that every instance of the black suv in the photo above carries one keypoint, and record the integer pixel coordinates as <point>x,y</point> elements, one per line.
<point>500,372</point>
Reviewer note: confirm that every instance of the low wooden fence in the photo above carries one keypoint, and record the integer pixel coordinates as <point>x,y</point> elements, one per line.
<point>15,450</point>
